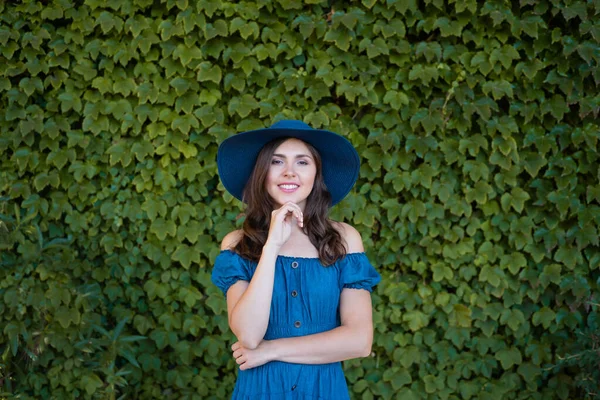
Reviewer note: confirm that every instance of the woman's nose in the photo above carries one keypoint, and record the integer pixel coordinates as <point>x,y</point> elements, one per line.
<point>289,171</point>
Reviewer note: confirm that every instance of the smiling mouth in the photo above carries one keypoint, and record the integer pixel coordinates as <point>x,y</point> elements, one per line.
<point>288,188</point>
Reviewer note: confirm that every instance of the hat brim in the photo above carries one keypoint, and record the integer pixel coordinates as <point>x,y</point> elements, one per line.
<point>340,161</point>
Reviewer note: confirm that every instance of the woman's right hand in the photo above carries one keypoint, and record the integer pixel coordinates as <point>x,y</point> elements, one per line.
<point>282,220</point>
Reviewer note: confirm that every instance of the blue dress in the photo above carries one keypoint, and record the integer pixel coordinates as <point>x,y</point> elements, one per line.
<point>306,298</point>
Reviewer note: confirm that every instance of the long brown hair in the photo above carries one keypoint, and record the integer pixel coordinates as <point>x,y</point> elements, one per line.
<point>317,225</point>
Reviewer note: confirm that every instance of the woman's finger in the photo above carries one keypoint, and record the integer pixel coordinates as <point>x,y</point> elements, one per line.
<point>292,208</point>
<point>240,360</point>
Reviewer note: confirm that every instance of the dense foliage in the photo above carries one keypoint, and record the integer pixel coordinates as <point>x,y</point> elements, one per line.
<point>478,197</point>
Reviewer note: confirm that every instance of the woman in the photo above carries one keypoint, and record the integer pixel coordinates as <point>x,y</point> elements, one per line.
<point>297,284</point>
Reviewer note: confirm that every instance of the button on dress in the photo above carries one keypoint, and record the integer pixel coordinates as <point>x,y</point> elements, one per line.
<point>306,299</point>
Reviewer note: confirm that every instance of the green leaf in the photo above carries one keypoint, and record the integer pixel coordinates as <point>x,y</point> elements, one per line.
<point>567,255</point>
<point>65,316</point>
<point>529,371</point>
<point>557,106</point>
<point>91,383</point>
<point>505,54</point>
<point>441,271</point>
<point>189,295</point>
<point>186,54</point>
<point>509,357</point>
<point>424,73</point>
<point>340,37</point>
<point>69,101</point>
<point>400,379</point>
<point>514,262</point>
<point>395,99</point>
<point>416,320</point>
<point>243,105</point>
<point>161,228</point>
<point>184,123</point>
<point>407,356</point>
<point>11,330</point>
<point>516,199</point>
<point>208,71</point>
<point>492,275</point>
<point>186,255</point>
<point>498,89</point>
<point>460,316</point>
<point>544,316</point>
<point>181,85</point>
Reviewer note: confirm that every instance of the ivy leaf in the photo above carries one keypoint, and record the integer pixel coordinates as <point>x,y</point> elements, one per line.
<point>181,85</point>
<point>416,320</point>
<point>161,228</point>
<point>509,357</point>
<point>425,73</point>
<point>184,123</point>
<point>492,275</point>
<point>460,316</point>
<point>441,271</point>
<point>141,149</point>
<point>516,199</point>
<point>243,105</point>
<point>91,383</point>
<point>67,316</point>
<point>557,106</point>
<point>544,316</point>
<point>208,71</point>
<point>498,89</point>
<point>339,37</point>
<point>505,54</point>
<point>400,379</point>
<point>69,101</point>
<point>415,209</point>
<point>186,54</point>
<point>514,262</point>
<point>567,255</point>
<point>395,99</point>
<point>533,162</point>
<point>529,371</point>
<point>186,255</point>
<point>447,27</point>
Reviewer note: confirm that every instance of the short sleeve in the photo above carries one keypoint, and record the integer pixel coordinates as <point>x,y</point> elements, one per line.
<point>358,273</point>
<point>228,269</point>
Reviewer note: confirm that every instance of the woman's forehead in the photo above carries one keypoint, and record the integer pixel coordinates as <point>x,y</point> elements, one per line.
<point>293,146</point>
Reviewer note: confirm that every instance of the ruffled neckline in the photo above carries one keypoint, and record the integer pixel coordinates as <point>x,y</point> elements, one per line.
<point>288,257</point>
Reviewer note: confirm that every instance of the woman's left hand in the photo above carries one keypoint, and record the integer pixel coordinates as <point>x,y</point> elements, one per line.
<point>251,358</point>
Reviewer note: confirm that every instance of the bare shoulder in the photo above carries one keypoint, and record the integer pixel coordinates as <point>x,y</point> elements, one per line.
<point>351,236</point>
<point>231,239</point>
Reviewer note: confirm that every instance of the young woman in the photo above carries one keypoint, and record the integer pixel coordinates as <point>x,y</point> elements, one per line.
<point>297,283</point>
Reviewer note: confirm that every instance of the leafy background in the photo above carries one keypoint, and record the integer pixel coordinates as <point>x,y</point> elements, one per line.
<point>478,197</point>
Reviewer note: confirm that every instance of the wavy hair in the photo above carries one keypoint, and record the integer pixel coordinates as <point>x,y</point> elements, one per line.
<point>317,225</point>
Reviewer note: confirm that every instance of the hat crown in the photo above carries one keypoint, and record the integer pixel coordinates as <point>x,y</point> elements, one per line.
<point>290,124</point>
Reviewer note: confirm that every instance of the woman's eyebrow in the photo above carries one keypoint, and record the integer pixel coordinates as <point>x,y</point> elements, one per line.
<point>297,155</point>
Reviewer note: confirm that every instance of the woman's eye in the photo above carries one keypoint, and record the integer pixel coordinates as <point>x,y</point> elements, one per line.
<point>302,162</point>
<point>276,161</point>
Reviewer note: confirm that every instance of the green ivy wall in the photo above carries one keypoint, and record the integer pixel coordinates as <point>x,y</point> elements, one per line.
<point>478,198</point>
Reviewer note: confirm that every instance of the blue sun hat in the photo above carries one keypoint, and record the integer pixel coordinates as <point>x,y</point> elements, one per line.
<point>237,155</point>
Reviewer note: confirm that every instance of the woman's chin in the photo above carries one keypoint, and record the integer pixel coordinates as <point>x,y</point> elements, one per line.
<point>280,200</point>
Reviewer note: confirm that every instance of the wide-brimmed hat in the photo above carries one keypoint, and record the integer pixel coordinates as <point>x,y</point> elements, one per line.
<point>340,162</point>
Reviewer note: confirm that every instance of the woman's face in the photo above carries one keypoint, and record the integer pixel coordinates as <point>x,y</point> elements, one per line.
<point>291,173</point>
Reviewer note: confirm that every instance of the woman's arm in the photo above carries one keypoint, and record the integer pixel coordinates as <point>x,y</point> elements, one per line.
<point>249,303</point>
<point>352,339</point>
